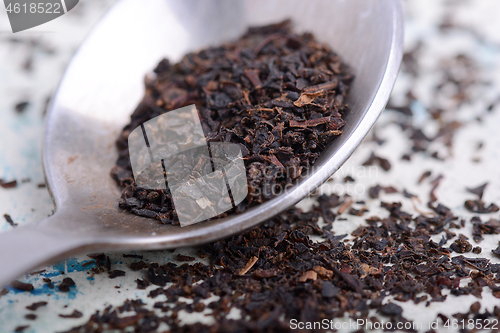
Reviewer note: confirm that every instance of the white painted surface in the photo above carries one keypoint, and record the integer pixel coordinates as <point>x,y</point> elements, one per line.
<point>20,140</point>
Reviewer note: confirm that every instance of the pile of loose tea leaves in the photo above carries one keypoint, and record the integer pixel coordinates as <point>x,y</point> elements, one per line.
<point>419,244</point>
<point>278,94</point>
<point>301,266</point>
<point>275,272</point>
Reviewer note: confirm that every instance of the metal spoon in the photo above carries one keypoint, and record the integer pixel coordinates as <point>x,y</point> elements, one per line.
<point>103,83</point>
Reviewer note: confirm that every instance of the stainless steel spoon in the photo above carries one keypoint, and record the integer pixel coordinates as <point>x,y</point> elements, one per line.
<point>103,83</point>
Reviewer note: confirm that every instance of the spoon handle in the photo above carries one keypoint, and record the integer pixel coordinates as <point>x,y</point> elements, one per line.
<point>30,246</point>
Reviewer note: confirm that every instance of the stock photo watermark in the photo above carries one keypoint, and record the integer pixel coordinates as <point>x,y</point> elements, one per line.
<point>385,325</point>
<point>26,14</point>
<point>170,152</point>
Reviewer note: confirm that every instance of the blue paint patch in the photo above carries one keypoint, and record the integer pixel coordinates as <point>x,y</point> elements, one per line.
<point>45,290</point>
<point>73,265</point>
<point>68,266</point>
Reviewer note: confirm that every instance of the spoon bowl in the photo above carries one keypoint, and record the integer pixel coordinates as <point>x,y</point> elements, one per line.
<point>104,82</point>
